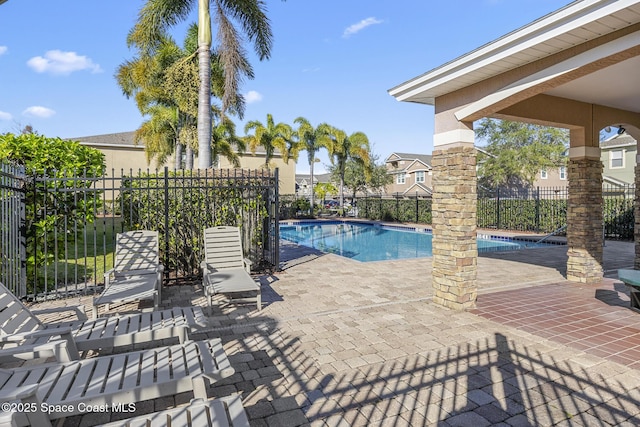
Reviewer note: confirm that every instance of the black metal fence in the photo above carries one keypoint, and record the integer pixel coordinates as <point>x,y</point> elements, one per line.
<point>68,235</point>
<point>12,228</point>
<point>538,209</point>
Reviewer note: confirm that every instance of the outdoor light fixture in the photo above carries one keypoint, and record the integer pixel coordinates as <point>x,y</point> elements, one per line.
<point>621,130</point>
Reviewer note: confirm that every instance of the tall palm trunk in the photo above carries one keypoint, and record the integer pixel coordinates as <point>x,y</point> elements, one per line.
<point>204,96</point>
<point>312,185</point>
<point>188,162</point>
<point>178,164</point>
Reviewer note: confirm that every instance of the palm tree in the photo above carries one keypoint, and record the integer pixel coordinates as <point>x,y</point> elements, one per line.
<point>311,140</point>
<point>342,148</point>
<point>157,15</point>
<point>143,78</point>
<point>270,136</point>
<point>226,143</point>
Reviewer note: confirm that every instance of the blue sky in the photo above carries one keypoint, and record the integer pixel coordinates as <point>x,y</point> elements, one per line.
<point>332,61</point>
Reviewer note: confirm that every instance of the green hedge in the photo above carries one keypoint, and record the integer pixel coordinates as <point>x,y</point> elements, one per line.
<point>191,204</point>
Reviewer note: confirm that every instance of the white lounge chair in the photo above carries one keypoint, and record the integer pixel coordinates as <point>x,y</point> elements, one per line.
<point>222,412</point>
<point>225,270</point>
<point>19,326</point>
<point>137,272</point>
<point>115,381</point>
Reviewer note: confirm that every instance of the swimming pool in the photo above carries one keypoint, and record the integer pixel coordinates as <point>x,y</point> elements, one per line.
<point>375,242</point>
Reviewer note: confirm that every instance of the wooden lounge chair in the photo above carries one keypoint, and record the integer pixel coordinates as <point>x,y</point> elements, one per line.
<point>225,270</point>
<point>631,278</point>
<point>19,326</point>
<point>137,272</point>
<point>115,381</point>
<point>226,411</point>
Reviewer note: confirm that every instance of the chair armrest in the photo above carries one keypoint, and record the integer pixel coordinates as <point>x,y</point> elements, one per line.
<point>18,393</point>
<point>21,336</point>
<point>79,310</point>
<point>247,264</point>
<point>207,268</point>
<point>109,273</point>
<point>59,349</point>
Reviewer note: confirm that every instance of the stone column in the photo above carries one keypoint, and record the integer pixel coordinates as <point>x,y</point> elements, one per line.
<point>454,206</point>
<point>584,219</point>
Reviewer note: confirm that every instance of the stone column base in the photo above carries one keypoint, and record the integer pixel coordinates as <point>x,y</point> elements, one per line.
<point>454,206</point>
<point>584,221</point>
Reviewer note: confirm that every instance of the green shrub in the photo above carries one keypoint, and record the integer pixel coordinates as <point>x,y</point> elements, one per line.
<point>60,171</point>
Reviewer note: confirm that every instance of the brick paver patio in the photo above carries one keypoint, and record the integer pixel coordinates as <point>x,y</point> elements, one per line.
<point>343,343</point>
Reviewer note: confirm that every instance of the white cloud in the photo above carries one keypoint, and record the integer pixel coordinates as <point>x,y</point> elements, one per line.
<point>5,116</point>
<point>252,96</point>
<point>3,49</point>
<point>352,29</point>
<point>63,63</point>
<point>38,111</point>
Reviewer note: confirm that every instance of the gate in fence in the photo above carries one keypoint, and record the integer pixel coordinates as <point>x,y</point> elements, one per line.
<point>12,228</point>
<point>69,222</point>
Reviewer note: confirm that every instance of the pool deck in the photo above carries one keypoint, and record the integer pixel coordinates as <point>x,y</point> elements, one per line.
<point>344,343</point>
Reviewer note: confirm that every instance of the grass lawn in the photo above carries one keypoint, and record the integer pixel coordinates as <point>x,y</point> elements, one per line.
<point>87,254</point>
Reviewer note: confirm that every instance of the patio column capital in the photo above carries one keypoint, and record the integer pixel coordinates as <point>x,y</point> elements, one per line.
<point>453,138</point>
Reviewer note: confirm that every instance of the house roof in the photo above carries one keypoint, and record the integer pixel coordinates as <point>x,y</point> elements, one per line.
<point>121,139</point>
<point>424,158</point>
<point>126,139</point>
<point>576,24</point>
<point>618,141</point>
<point>321,177</point>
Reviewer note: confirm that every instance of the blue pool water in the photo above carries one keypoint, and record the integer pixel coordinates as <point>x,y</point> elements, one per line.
<point>373,242</point>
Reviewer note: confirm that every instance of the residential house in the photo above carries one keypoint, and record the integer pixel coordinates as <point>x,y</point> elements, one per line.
<point>618,154</point>
<point>122,155</point>
<point>304,186</point>
<point>553,177</point>
<point>411,174</point>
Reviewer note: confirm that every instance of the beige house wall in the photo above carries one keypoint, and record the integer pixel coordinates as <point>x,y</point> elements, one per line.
<point>126,158</point>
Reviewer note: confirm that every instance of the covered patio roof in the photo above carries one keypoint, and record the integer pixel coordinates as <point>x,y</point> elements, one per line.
<point>587,51</point>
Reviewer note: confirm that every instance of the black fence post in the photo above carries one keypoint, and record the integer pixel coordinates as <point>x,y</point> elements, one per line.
<point>166,216</point>
<point>537,209</point>
<point>417,208</point>
<point>497,209</point>
<point>276,220</point>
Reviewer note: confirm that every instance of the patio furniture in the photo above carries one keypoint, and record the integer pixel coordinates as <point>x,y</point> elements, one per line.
<point>631,278</point>
<point>225,270</point>
<point>115,381</point>
<point>20,326</point>
<point>137,272</point>
<point>222,412</point>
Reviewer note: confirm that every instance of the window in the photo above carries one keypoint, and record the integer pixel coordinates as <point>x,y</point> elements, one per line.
<point>400,179</point>
<point>420,176</point>
<point>544,174</point>
<point>563,172</point>
<point>616,158</point>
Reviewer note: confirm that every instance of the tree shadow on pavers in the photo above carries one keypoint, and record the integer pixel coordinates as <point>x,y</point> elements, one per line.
<point>292,254</point>
<point>267,364</point>
<point>481,384</point>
